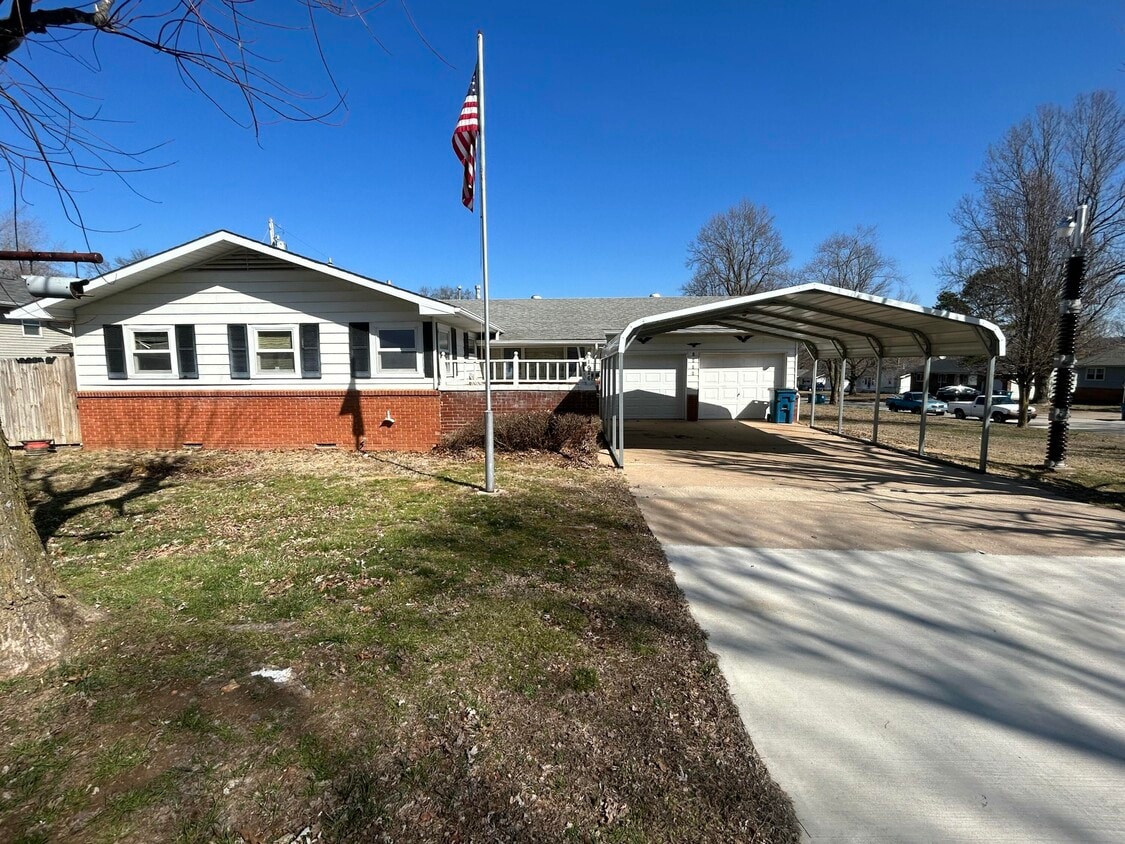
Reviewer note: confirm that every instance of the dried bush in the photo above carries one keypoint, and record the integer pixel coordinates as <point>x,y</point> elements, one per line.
<point>569,434</point>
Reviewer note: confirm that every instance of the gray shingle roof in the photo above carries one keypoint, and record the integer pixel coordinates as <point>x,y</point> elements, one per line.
<point>1112,354</point>
<point>585,320</point>
<point>13,293</point>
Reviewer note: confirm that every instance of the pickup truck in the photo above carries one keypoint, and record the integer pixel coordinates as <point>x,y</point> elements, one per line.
<point>1003,409</point>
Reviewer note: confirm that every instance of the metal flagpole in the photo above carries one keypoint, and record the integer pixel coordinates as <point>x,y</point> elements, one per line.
<point>489,458</point>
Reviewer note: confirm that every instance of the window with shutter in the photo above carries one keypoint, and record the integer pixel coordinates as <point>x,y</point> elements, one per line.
<point>239,348</point>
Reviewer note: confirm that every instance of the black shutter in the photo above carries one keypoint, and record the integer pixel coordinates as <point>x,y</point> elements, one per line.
<point>185,351</point>
<point>466,337</point>
<point>310,350</point>
<point>239,351</point>
<point>359,344</point>
<point>428,349</point>
<point>114,351</point>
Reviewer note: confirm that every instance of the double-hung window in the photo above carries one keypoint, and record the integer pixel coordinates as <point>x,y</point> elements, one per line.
<point>274,350</point>
<point>32,328</point>
<point>1095,373</point>
<point>150,352</point>
<point>398,351</point>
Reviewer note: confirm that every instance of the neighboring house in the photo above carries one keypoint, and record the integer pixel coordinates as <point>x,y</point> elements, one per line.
<point>228,342</point>
<point>1101,376</point>
<point>28,338</point>
<point>948,372</point>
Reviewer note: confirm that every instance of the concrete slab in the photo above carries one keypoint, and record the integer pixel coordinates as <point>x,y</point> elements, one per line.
<point>920,654</point>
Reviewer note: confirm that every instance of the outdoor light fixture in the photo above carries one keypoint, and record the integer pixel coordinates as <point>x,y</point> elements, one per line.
<point>388,419</point>
<point>693,345</point>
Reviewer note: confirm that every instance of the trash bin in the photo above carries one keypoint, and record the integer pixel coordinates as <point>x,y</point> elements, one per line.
<point>784,407</point>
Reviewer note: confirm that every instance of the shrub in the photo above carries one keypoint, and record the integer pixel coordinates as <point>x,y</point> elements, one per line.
<point>569,434</point>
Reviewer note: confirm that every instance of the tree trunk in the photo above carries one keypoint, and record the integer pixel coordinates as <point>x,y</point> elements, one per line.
<point>36,615</point>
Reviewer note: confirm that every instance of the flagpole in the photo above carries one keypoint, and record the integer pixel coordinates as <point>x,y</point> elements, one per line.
<point>489,457</point>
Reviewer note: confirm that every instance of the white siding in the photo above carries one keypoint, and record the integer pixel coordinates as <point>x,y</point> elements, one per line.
<point>13,343</point>
<point>212,300</point>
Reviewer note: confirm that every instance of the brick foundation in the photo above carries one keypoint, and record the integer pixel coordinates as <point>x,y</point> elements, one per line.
<point>300,419</point>
<point>460,408</point>
<point>261,419</point>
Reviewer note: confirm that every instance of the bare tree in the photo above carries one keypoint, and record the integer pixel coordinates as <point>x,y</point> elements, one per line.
<point>853,261</point>
<point>222,49</point>
<point>737,253</point>
<point>1009,266</point>
<point>443,291</point>
<point>50,136</point>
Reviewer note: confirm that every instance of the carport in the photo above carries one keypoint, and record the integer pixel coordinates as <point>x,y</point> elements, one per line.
<point>832,324</point>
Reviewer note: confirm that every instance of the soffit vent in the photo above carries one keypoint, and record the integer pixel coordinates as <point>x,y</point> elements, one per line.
<point>242,260</point>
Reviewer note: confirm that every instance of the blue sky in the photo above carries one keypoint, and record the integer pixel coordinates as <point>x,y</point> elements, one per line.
<point>615,131</point>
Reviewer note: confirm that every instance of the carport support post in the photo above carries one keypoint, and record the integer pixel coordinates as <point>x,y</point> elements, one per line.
<point>840,393</point>
<point>812,395</point>
<point>986,420</point>
<point>878,396</point>
<point>925,399</point>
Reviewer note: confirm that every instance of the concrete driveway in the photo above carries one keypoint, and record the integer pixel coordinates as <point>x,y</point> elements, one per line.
<point>920,653</point>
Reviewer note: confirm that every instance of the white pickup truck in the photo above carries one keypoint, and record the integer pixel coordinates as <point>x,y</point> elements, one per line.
<point>1003,409</point>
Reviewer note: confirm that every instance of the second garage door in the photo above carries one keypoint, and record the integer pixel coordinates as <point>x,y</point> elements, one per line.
<point>736,386</point>
<point>654,387</point>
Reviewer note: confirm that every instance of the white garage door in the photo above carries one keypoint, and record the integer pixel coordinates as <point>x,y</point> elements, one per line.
<point>736,386</point>
<point>654,387</point>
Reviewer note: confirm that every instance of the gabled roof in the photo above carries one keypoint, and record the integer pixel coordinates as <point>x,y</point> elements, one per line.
<point>833,323</point>
<point>226,250</point>
<point>582,321</point>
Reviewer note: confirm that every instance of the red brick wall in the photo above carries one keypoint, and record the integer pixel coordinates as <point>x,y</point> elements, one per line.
<point>460,408</point>
<point>260,419</point>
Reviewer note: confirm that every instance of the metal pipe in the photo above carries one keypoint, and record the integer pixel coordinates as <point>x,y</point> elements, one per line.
<point>878,395</point>
<point>489,457</point>
<point>812,395</point>
<point>986,420</point>
<point>840,393</point>
<point>925,400</point>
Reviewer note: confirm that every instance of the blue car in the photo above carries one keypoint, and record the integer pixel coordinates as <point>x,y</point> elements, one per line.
<point>912,402</point>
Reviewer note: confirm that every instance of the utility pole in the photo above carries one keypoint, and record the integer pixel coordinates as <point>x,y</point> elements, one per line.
<point>1070,305</point>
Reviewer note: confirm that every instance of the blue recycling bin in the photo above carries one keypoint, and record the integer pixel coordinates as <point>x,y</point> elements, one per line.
<point>783,410</point>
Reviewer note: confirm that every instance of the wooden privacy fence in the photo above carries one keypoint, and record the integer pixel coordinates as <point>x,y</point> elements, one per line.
<point>37,400</point>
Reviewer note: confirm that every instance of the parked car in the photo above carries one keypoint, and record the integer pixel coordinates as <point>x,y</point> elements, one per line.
<point>957,392</point>
<point>1003,408</point>
<point>913,403</point>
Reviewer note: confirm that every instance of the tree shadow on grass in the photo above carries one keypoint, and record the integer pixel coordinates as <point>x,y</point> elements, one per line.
<point>133,479</point>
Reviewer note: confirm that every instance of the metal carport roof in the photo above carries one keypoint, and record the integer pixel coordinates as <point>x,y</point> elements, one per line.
<point>832,323</point>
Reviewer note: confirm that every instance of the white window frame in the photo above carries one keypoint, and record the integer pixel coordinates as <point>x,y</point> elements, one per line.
<point>1095,373</point>
<point>28,323</point>
<point>377,349</point>
<point>131,349</point>
<point>252,342</point>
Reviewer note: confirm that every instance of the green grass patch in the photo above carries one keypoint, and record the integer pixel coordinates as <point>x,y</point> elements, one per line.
<point>459,666</point>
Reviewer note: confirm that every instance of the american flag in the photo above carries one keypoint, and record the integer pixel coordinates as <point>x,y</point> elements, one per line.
<point>465,141</point>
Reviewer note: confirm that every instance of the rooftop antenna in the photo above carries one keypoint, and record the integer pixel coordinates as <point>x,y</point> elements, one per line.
<point>275,241</point>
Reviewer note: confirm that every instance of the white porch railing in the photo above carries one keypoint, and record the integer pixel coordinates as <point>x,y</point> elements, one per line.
<point>516,371</point>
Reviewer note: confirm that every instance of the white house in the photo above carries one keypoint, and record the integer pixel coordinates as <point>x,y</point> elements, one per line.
<point>228,342</point>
